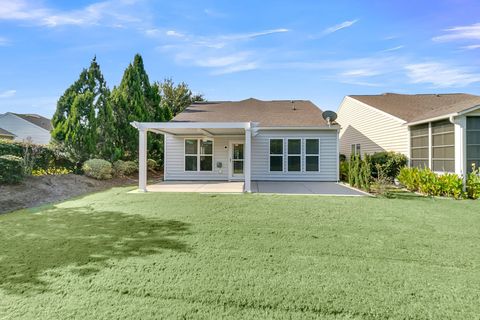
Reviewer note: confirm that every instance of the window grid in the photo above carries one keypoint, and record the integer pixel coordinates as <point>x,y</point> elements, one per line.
<point>198,155</point>
<point>292,156</point>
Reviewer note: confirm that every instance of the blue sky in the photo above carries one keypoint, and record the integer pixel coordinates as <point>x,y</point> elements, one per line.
<point>231,50</point>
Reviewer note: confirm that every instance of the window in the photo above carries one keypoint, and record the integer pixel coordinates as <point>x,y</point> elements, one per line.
<point>198,155</point>
<point>443,146</point>
<point>356,151</point>
<point>312,150</point>
<point>473,142</point>
<point>276,155</point>
<point>294,154</point>
<point>419,145</point>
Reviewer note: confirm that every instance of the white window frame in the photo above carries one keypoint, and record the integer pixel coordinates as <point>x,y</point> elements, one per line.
<point>311,154</point>
<point>198,154</point>
<point>276,155</point>
<point>355,147</point>
<point>294,154</point>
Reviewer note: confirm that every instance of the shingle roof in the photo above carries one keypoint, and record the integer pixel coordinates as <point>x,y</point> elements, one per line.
<point>279,113</point>
<point>37,120</point>
<point>417,107</point>
<point>4,132</point>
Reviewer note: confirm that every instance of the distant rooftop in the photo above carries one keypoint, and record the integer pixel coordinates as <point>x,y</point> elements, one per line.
<point>282,113</point>
<point>37,120</point>
<point>417,107</point>
<point>4,132</point>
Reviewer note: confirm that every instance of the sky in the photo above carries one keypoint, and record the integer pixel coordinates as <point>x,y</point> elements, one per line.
<point>233,50</point>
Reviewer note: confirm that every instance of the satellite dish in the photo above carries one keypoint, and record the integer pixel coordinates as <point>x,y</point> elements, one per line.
<point>329,116</point>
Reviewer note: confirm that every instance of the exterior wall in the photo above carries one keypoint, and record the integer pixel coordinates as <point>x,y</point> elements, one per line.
<point>175,162</point>
<point>175,159</point>
<point>23,130</point>
<point>328,156</point>
<point>373,129</point>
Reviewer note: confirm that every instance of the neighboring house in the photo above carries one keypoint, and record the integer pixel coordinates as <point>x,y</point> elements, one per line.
<point>25,127</point>
<point>246,140</point>
<point>438,131</point>
<point>7,135</point>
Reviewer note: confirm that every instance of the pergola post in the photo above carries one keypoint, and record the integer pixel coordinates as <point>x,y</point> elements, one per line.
<point>248,156</point>
<point>142,160</point>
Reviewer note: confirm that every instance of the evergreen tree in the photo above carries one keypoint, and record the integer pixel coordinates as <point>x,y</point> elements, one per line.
<point>133,100</point>
<point>80,122</point>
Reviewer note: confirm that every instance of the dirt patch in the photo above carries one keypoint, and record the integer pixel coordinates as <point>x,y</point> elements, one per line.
<point>34,191</point>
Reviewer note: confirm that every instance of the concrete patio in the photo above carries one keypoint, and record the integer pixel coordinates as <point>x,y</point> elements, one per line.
<point>270,187</point>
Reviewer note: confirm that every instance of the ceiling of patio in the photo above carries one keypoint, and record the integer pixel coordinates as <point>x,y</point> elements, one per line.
<point>203,131</point>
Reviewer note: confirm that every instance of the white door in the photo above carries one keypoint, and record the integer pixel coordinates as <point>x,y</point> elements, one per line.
<point>236,160</point>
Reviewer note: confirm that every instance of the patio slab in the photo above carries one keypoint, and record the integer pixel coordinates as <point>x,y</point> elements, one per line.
<point>197,186</point>
<point>305,187</point>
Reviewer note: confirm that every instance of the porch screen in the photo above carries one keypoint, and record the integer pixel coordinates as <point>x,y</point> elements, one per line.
<point>443,146</point>
<point>419,146</point>
<point>473,142</point>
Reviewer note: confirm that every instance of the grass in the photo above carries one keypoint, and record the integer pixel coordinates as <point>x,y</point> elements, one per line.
<point>116,255</point>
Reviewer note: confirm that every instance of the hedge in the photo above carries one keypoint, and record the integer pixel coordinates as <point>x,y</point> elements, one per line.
<point>11,169</point>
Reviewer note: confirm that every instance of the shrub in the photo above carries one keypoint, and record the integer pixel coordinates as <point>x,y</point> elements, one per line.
<point>409,178</point>
<point>151,164</point>
<point>429,183</point>
<point>98,168</point>
<point>11,169</point>
<point>119,168</point>
<point>344,171</point>
<point>389,162</point>
<point>130,167</point>
<point>359,172</point>
<point>50,171</point>
<point>473,184</point>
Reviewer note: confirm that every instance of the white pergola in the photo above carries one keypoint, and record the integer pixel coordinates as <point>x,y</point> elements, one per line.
<point>209,129</point>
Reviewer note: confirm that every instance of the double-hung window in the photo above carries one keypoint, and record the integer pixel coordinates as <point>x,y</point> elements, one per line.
<point>276,154</point>
<point>356,150</point>
<point>294,155</point>
<point>312,150</point>
<point>198,155</point>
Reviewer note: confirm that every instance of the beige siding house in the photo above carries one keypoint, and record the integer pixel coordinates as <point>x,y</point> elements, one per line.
<point>26,127</point>
<point>438,131</point>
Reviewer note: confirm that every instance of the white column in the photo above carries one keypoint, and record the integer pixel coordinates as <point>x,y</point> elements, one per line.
<point>142,160</point>
<point>460,124</point>
<point>430,151</point>
<point>248,157</point>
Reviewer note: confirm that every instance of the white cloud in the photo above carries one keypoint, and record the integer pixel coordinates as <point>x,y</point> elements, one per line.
<point>441,75</point>
<point>8,93</point>
<point>472,47</point>
<point>339,26</point>
<point>173,33</point>
<point>469,32</point>
<point>112,13</point>
<point>393,49</point>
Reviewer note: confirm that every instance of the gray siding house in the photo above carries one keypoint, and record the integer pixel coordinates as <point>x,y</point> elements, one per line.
<point>23,127</point>
<point>437,131</point>
<point>247,140</point>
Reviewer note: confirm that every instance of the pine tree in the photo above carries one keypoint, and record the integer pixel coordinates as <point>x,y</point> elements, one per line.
<point>82,122</point>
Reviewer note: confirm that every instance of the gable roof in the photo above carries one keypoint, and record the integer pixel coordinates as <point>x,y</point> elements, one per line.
<point>276,113</point>
<point>417,107</point>
<point>4,132</point>
<point>37,120</point>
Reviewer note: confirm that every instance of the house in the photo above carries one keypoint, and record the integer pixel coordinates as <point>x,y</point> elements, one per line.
<point>25,127</point>
<point>437,131</point>
<point>246,140</point>
<point>6,135</point>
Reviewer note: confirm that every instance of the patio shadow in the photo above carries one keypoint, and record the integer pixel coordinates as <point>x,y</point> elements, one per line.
<point>83,239</point>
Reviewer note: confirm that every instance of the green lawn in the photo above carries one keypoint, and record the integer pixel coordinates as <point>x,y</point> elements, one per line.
<point>116,255</point>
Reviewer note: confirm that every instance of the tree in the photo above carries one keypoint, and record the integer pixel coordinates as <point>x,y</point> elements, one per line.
<point>177,97</point>
<point>133,100</point>
<point>80,122</point>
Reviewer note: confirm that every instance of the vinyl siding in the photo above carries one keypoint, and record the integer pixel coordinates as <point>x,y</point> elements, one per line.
<point>23,130</point>
<point>373,129</point>
<point>174,157</point>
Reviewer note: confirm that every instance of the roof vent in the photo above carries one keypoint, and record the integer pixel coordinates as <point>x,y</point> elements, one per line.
<point>293,105</point>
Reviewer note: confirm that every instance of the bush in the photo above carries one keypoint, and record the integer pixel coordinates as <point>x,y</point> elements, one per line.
<point>359,172</point>
<point>409,178</point>
<point>473,184</point>
<point>98,168</point>
<point>11,169</point>
<point>51,172</point>
<point>130,167</point>
<point>151,164</point>
<point>390,163</point>
<point>344,170</point>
